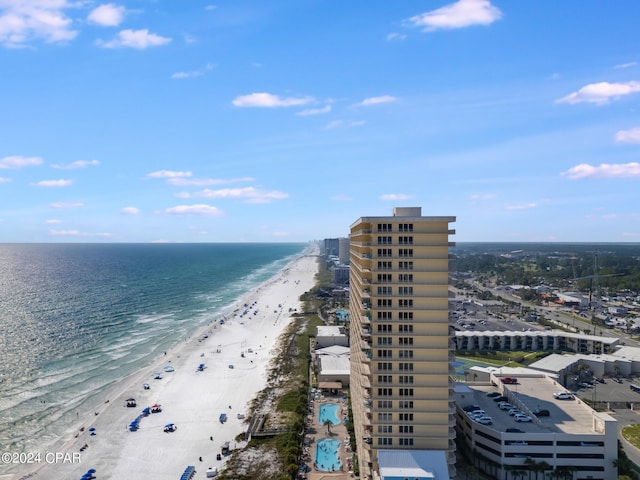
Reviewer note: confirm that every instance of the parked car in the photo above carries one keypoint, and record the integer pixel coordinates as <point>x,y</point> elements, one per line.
<point>514,430</point>
<point>522,418</point>
<point>505,406</point>
<point>563,396</point>
<point>485,420</point>
<point>470,408</point>
<point>509,380</point>
<point>542,413</point>
<point>501,398</point>
<point>493,394</point>
<point>514,411</point>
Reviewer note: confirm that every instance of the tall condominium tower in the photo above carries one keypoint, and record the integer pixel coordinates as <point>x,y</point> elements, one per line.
<point>401,352</point>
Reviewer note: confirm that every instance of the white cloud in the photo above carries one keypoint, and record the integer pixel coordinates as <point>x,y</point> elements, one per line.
<point>601,93</point>
<point>522,206</point>
<point>129,211</point>
<point>199,209</point>
<point>193,73</point>
<point>210,7</point>
<point>4,180</point>
<point>66,205</point>
<point>139,39</point>
<point>376,101</point>
<point>168,174</point>
<point>396,36</point>
<point>203,182</point>
<point>52,221</point>
<point>463,13</point>
<point>78,164</point>
<point>19,162</point>
<point>249,194</point>
<point>280,234</point>
<point>52,183</point>
<point>626,65</point>
<point>628,136</point>
<point>107,15</point>
<point>269,100</point>
<point>76,233</point>
<point>604,170</point>
<point>345,124</point>
<point>314,111</point>
<point>395,197</point>
<point>484,196</point>
<point>22,21</point>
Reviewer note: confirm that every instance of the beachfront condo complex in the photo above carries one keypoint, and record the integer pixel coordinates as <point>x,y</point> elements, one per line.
<point>401,350</point>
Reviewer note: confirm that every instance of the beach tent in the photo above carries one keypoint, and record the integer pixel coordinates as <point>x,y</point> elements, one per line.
<point>169,368</point>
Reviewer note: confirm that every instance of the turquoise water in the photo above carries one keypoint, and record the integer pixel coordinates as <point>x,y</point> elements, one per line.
<point>329,411</point>
<point>77,318</point>
<point>327,458</point>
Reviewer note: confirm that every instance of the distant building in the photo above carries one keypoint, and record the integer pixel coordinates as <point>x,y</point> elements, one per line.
<point>328,336</point>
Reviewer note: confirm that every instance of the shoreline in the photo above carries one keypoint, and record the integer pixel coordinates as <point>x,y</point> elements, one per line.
<point>190,399</point>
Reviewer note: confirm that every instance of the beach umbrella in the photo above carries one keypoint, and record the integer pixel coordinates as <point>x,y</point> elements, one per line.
<point>91,471</point>
<point>169,425</point>
<point>92,429</point>
<point>131,399</point>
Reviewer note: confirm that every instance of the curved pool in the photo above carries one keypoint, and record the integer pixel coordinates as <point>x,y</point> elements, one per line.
<point>329,411</point>
<point>327,459</point>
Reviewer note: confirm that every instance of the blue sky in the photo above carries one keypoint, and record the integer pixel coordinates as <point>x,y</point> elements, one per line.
<point>286,120</point>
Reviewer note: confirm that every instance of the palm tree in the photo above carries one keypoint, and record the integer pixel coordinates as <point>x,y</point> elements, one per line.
<point>328,423</point>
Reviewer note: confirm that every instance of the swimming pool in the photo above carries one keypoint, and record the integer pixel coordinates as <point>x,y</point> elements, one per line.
<point>327,459</point>
<point>329,411</point>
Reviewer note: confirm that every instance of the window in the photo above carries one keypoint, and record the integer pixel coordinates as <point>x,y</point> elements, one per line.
<point>405,315</point>
<point>406,428</point>
<point>407,442</point>
<point>385,278</point>
<point>385,392</point>
<point>386,265</point>
<point>406,404</point>
<point>405,265</point>
<point>405,227</point>
<point>406,392</point>
<point>385,378</point>
<point>384,252</point>
<point>385,353</point>
<point>385,428</point>
<point>406,367</point>
<point>384,328</point>
<point>385,441</point>
<point>385,404</point>
<point>385,341</point>
<point>405,303</point>
<point>405,328</point>
<point>405,290</point>
<point>405,240</point>
<point>406,417</point>
<point>385,316</point>
<point>405,252</point>
<point>385,290</point>
<point>384,302</point>
<point>383,366</point>
<point>406,354</point>
<point>385,417</point>
<point>384,227</point>
<point>405,278</point>
<point>384,240</point>
<point>406,379</point>
<point>405,340</point>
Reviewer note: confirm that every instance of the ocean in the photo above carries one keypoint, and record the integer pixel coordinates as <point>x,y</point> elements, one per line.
<point>77,318</point>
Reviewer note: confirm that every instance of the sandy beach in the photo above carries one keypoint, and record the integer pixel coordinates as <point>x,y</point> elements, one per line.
<point>236,353</point>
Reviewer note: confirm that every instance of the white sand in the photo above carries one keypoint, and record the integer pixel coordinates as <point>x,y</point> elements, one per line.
<point>192,400</point>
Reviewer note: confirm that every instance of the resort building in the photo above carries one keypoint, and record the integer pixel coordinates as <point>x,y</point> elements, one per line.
<point>557,435</point>
<point>401,350</point>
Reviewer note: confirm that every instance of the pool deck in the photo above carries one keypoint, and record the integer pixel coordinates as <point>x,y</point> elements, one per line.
<point>314,432</point>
